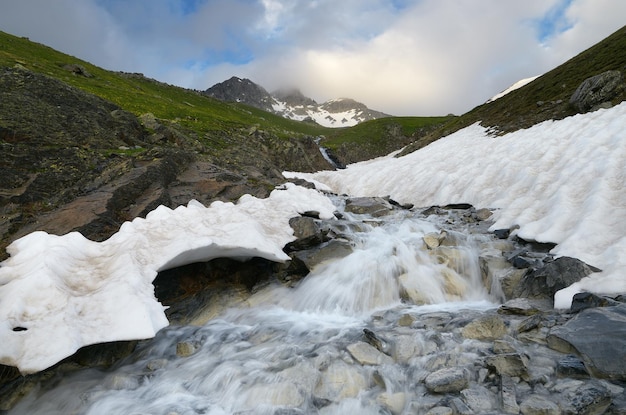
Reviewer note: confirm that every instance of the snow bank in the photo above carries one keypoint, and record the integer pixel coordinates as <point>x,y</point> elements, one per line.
<point>59,293</point>
<point>559,181</point>
<point>516,85</point>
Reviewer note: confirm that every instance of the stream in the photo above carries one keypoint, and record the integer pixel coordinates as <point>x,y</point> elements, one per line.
<point>359,334</point>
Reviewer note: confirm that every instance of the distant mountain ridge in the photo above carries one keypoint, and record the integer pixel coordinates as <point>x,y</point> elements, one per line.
<point>292,104</point>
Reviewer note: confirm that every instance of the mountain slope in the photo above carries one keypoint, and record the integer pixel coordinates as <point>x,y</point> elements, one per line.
<point>547,97</point>
<point>292,104</point>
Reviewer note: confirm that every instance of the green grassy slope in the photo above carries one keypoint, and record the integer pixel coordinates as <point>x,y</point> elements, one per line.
<point>377,132</point>
<point>141,95</point>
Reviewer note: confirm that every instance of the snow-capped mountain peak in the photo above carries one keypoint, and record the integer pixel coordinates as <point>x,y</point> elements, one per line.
<point>291,103</point>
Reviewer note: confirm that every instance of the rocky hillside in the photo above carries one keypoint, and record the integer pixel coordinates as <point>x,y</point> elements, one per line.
<point>75,160</point>
<point>292,104</point>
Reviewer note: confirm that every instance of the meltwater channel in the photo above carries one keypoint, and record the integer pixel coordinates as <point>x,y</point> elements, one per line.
<point>346,339</point>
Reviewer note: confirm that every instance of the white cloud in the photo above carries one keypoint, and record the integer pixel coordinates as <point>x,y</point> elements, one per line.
<point>426,57</point>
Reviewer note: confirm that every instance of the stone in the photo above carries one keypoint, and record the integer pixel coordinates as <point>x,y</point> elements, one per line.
<point>275,394</point>
<point>433,240</point>
<point>440,410</point>
<point>460,408</point>
<point>379,343</point>
<point>374,206</point>
<point>571,366</point>
<point>530,323</point>
<point>186,348</point>
<point>490,327</point>
<point>340,381</point>
<point>590,399</point>
<point>554,276</point>
<point>479,399</point>
<point>483,214</point>
<point>406,320</point>
<point>508,364</point>
<point>539,405</point>
<point>447,380</point>
<point>582,301</point>
<point>502,233</point>
<point>603,359</point>
<point>523,307</point>
<point>367,354</point>
<point>596,90</point>
<point>329,251</point>
<point>307,233</point>
<point>394,402</point>
<point>508,395</point>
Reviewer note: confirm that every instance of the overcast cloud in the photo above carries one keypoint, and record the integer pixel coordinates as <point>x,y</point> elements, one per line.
<point>403,57</point>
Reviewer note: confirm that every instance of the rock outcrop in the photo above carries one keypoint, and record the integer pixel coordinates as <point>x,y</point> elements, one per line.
<point>597,90</point>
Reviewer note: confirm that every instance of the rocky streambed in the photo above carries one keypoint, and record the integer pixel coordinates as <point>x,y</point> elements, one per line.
<point>386,309</point>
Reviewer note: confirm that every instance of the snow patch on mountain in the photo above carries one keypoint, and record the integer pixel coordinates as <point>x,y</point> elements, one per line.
<point>292,104</point>
<point>513,87</point>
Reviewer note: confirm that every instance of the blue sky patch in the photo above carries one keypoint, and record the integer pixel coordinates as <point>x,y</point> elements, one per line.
<point>554,21</point>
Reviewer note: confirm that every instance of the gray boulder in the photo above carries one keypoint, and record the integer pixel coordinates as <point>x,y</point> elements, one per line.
<point>375,206</point>
<point>605,358</point>
<point>450,379</point>
<point>597,90</point>
<point>554,276</point>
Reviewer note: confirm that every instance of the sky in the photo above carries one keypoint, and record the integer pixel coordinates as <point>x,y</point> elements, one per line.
<point>402,57</point>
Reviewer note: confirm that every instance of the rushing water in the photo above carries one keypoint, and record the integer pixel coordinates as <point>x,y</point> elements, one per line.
<point>296,350</point>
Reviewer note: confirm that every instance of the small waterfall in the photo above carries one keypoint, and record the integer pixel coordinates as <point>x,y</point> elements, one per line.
<point>296,350</point>
<point>327,155</point>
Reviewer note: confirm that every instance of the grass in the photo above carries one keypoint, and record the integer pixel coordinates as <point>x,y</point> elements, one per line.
<point>140,95</point>
<point>379,130</point>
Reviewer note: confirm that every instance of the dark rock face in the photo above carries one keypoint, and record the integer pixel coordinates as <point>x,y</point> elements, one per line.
<point>554,276</point>
<point>597,90</point>
<point>242,90</point>
<point>293,97</point>
<point>605,358</point>
<point>72,161</point>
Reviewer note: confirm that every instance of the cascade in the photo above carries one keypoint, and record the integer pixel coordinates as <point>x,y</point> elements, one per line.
<point>345,339</point>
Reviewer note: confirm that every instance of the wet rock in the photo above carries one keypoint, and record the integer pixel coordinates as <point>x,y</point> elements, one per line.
<point>508,395</point>
<point>502,233</point>
<point>121,381</point>
<point>340,381</point>
<point>589,398</point>
<point>460,407</point>
<point>583,301</point>
<point>508,364</point>
<point>483,214</point>
<point>485,328</point>
<point>596,90</point>
<point>530,323</point>
<point>554,276</point>
<point>440,410</point>
<point>372,338</point>
<point>406,320</point>
<point>479,399</point>
<point>572,367</point>
<point>375,206</point>
<point>604,359</point>
<point>524,306</point>
<point>331,250</point>
<point>394,402</point>
<point>367,354</point>
<point>277,394</point>
<point>307,232</point>
<point>539,405</point>
<point>186,348</point>
<point>447,380</point>
<point>433,240</point>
